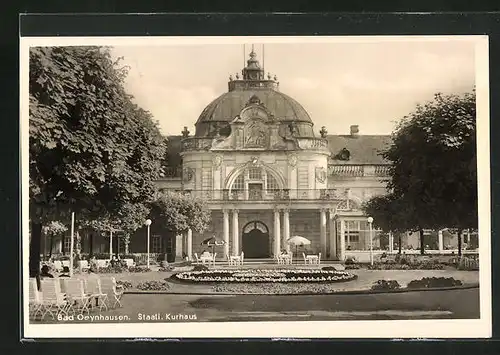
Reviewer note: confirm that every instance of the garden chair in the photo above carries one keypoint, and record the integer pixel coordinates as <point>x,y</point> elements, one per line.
<point>129,262</point>
<point>242,256</point>
<point>53,299</point>
<point>305,259</point>
<point>65,263</point>
<point>35,299</point>
<point>83,265</point>
<point>279,259</point>
<point>319,258</point>
<point>78,298</point>
<point>112,290</point>
<point>94,289</point>
<point>196,259</point>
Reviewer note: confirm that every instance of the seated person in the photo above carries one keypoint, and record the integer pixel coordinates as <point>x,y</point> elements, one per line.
<point>65,272</point>
<point>45,272</point>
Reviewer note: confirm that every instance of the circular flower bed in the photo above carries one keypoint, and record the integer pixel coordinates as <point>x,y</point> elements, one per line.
<point>259,275</point>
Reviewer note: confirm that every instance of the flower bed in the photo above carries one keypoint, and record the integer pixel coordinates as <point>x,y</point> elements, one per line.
<point>432,282</point>
<point>153,285</point>
<point>263,275</point>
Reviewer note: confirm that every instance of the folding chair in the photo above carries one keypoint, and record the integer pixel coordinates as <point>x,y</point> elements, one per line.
<point>79,299</point>
<point>112,290</point>
<point>94,289</point>
<point>53,298</point>
<point>35,299</point>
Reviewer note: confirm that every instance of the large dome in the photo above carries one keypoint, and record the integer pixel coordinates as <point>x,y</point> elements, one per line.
<point>224,109</point>
<point>227,106</point>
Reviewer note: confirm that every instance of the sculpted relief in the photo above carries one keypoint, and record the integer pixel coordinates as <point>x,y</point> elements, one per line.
<point>255,135</point>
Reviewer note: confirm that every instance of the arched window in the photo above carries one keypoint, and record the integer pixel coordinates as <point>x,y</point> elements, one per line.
<point>255,181</point>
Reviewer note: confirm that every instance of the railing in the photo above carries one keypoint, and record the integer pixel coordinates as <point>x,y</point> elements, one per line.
<point>312,143</point>
<point>172,172</point>
<point>267,195</point>
<point>196,143</point>
<point>381,170</point>
<point>349,170</point>
<point>346,170</point>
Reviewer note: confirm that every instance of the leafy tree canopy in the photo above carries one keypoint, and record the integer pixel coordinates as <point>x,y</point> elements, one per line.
<point>433,156</point>
<point>92,150</point>
<point>178,212</point>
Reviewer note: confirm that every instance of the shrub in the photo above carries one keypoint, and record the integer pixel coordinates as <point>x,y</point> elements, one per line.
<point>153,285</point>
<point>385,285</point>
<point>350,261</point>
<point>117,269</point>
<point>165,269</point>
<point>430,265</point>
<point>124,283</point>
<point>432,282</point>
<point>200,268</point>
<point>328,268</point>
<point>352,267</point>
<point>138,269</point>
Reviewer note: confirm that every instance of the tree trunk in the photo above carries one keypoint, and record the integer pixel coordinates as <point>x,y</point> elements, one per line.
<point>91,245</point>
<point>51,244</point>
<point>460,242</point>
<point>36,239</point>
<point>422,242</point>
<point>63,241</point>
<point>399,244</point>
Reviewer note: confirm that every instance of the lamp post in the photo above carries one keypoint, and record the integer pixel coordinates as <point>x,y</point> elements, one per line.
<point>370,221</point>
<point>148,224</point>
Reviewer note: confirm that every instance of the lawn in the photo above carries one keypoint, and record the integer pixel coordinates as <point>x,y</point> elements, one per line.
<point>456,304</point>
<point>364,281</point>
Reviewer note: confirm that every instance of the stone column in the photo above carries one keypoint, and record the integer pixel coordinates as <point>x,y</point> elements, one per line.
<point>277,234</point>
<point>178,247</point>
<point>391,242</point>
<point>286,228</point>
<point>189,244</point>
<point>236,240</point>
<point>322,233</point>
<point>333,241</point>
<point>440,240</point>
<point>342,241</point>
<point>225,231</point>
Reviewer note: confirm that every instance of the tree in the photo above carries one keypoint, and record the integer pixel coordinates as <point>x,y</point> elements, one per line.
<point>433,175</point>
<point>53,229</point>
<point>92,150</point>
<point>177,212</point>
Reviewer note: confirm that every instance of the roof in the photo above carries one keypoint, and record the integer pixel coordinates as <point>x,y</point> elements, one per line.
<point>363,149</point>
<point>227,106</point>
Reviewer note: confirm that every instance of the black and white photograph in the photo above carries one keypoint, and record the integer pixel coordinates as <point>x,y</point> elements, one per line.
<point>256,186</point>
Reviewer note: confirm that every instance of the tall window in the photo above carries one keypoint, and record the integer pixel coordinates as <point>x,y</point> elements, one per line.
<point>255,174</point>
<point>156,243</point>
<point>272,184</point>
<point>352,232</point>
<point>67,244</point>
<point>239,183</point>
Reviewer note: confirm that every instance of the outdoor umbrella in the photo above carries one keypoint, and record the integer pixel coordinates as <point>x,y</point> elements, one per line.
<point>298,240</point>
<point>213,242</point>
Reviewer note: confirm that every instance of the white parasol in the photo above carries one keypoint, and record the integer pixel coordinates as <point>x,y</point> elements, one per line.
<point>297,240</point>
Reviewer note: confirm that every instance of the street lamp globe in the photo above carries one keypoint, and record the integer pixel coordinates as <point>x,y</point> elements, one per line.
<point>148,222</point>
<point>370,219</point>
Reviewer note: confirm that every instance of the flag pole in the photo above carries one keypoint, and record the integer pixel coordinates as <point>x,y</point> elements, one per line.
<point>71,244</point>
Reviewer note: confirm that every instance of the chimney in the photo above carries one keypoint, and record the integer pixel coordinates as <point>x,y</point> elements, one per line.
<point>354,130</point>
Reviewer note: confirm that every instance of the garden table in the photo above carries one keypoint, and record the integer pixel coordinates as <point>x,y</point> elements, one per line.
<point>312,259</point>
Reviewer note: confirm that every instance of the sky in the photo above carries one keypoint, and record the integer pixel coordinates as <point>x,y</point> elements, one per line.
<point>371,84</point>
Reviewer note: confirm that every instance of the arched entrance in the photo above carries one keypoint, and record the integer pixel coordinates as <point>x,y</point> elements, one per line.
<point>255,240</point>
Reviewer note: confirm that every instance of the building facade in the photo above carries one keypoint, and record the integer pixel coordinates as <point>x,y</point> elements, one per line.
<point>269,173</point>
